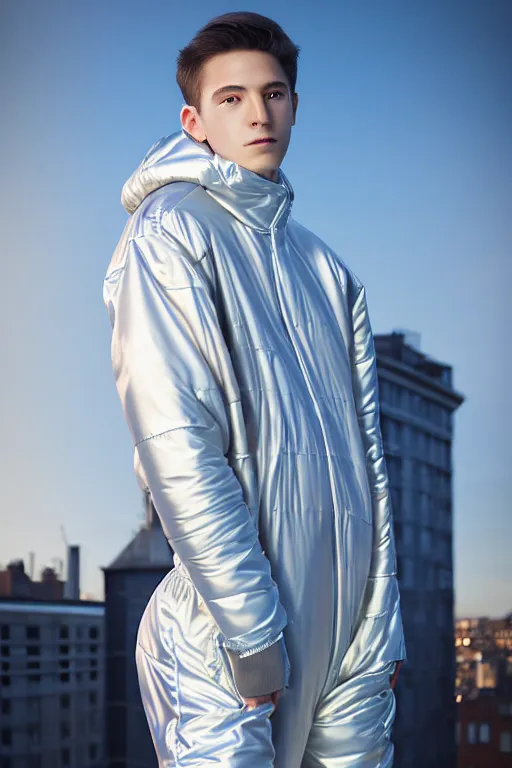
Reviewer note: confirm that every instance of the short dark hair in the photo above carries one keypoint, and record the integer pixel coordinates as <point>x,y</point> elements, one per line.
<point>242,31</point>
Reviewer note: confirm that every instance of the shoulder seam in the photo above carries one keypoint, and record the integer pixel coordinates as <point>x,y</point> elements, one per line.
<point>182,199</point>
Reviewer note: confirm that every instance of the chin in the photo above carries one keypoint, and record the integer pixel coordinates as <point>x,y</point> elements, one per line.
<point>265,173</point>
<point>265,170</point>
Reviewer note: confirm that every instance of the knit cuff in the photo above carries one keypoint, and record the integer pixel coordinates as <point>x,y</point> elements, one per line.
<point>260,673</point>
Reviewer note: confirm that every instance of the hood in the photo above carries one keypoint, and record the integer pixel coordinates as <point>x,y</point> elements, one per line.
<point>254,200</point>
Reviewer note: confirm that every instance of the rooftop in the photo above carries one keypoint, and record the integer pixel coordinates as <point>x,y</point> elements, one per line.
<point>149,549</point>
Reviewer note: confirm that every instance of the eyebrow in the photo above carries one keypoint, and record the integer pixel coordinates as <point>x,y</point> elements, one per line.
<point>226,88</point>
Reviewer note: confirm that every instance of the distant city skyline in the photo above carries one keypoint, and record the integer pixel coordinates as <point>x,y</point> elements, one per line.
<point>400,160</point>
<point>88,596</point>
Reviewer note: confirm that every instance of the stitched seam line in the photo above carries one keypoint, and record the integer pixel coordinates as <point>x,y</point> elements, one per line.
<point>147,653</point>
<point>165,432</point>
<point>165,211</point>
<point>178,712</point>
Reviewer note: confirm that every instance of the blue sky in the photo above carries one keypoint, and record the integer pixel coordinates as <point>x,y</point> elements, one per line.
<point>400,159</point>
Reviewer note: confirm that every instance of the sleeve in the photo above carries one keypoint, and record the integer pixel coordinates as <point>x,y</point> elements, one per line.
<point>175,380</point>
<point>383,584</point>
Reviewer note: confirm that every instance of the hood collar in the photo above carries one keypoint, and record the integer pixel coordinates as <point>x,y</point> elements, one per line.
<point>257,202</point>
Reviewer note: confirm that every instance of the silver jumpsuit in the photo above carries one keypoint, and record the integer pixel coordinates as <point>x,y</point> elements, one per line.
<point>244,360</point>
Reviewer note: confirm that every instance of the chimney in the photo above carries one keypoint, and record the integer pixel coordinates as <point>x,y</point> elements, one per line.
<point>72,586</point>
<point>152,519</point>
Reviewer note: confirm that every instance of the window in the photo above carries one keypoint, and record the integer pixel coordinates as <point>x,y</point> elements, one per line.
<point>33,665</point>
<point>34,708</point>
<point>64,632</point>
<point>471,733</point>
<point>425,541</point>
<point>394,429</point>
<point>65,729</point>
<point>6,680</point>
<point>34,678</point>
<point>5,632</point>
<point>93,751</point>
<point>405,571</point>
<point>6,706</point>
<point>506,741</point>
<point>484,735</point>
<point>6,739</point>
<point>34,736</point>
<point>383,390</point>
<point>94,721</point>
<point>6,651</point>
<point>65,756</point>
<point>64,677</point>
<point>93,675</point>
<point>64,649</point>
<point>407,438</point>
<point>93,698</point>
<point>446,454</point>
<point>33,650</point>
<point>424,508</point>
<point>64,701</point>
<point>93,633</point>
<point>32,632</point>
<point>80,632</point>
<point>93,648</point>
<point>421,445</point>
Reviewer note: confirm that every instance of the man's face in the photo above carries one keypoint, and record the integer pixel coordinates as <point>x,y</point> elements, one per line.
<point>245,96</point>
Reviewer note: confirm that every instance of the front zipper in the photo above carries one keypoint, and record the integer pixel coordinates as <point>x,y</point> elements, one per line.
<point>335,543</point>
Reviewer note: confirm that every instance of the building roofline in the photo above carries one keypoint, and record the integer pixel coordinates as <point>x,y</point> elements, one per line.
<point>29,605</point>
<point>418,377</point>
<point>131,568</point>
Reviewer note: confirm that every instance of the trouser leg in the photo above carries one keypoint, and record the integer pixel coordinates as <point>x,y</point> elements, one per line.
<point>352,725</point>
<point>195,714</point>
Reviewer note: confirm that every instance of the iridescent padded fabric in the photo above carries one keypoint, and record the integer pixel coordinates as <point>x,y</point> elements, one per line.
<point>244,360</point>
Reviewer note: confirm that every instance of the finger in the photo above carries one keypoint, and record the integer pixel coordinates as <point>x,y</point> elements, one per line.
<point>275,697</point>
<point>394,677</point>
<point>258,701</point>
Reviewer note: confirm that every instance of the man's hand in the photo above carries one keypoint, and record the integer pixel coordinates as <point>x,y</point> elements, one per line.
<point>270,698</point>
<point>394,678</point>
<point>274,697</point>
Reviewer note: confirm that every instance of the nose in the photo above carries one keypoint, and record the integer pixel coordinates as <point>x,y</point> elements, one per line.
<point>259,112</point>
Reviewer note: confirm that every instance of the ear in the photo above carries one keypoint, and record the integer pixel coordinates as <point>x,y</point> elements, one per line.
<point>295,104</point>
<point>191,122</point>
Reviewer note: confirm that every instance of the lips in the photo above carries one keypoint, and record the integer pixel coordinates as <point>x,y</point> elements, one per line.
<point>263,141</point>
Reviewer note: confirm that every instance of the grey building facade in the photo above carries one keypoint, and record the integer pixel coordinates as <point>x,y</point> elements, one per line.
<point>129,583</point>
<point>417,407</point>
<point>51,684</point>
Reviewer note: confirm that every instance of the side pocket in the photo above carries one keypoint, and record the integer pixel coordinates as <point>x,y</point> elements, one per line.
<point>287,668</point>
<point>218,666</point>
<point>378,639</point>
<point>389,695</point>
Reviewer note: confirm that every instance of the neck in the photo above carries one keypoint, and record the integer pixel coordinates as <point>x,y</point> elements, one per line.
<point>271,175</point>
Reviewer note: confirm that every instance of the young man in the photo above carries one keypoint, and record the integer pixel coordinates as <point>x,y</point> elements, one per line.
<point>244,361</point>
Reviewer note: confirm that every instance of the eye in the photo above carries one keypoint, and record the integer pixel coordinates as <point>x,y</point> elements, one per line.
<point>227,101</point>
<point>276,93</point>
